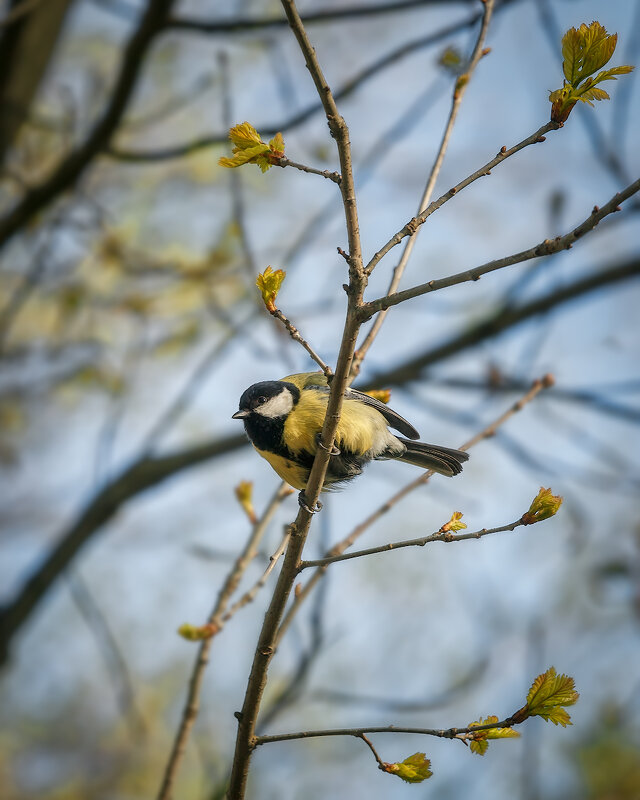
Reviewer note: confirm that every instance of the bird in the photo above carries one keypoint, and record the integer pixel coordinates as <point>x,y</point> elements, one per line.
<point>283,420</point>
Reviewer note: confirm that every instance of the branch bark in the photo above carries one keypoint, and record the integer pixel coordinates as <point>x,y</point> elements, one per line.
<point>73,166</point>
<point>266,647</point>
<point>459,90</point>
<point>546,248</point>
<point>504,320</point>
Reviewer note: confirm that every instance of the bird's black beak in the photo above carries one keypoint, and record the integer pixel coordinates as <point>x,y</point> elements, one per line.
<point>240,414</point>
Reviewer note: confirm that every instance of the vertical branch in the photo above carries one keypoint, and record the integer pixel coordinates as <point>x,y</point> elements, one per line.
<point>266,647</point>
<point>458,93</point>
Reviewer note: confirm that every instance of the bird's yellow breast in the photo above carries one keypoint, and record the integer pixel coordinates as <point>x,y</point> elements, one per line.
<point>291,473</point>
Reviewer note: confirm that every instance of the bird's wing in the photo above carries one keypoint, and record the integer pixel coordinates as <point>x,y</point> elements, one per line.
<point>394,420</point>
<point>317,381</point>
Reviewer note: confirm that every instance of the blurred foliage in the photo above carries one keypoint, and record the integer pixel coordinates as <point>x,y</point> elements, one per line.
<point>608,759</point>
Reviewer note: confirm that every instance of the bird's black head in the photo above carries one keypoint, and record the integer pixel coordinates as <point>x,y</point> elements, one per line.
<point>268,399</point>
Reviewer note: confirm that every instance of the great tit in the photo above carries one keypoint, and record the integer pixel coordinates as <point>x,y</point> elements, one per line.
<point>283,419</point>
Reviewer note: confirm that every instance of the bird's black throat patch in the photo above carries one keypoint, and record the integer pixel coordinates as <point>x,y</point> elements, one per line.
<point>267,433</point>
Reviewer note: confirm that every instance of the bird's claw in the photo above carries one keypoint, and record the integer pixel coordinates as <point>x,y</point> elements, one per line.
<point>333,450</point>
<point>302,502</point>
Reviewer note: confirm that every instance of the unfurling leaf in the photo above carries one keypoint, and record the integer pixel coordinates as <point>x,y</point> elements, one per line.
<point>585,50</point>
<point>382,395</point>
<point>244,493</point>
<point>276,145</point>
<point>544,505</point>
<point>197,633</point>
<point>414,769</point>
<point>479,742</point>
<point>248,147</point>
<point>454,523</point>
<point>547,696</point>
<point>269,283</point>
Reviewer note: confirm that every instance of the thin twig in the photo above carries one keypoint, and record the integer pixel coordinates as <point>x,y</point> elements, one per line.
<point>324,173</point>
<point>458,93</point>
<point>191,707</point>
<point>295,335</point>
<point>372,748</point>
<point>505,319</point>
<point>413,224</point>
<point>250,595</point>
<point>438,536</point>
<point>545,248</point>
<point>442,733</point>
<point>349,540</point>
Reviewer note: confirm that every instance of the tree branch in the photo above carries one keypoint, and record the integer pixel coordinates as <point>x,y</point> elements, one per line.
<point>324,173</point>
<point>460,87</point>
<point>505,319</point>
<point>442,733</point>
<point>438,536</point>
<point>546,248</point>
<point>266,645</point>
<point>68,172</point>
<point>297,337</point>
<point>413,224</point>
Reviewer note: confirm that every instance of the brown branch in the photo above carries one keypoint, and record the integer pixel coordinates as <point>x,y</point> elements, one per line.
<point>266,645</point>
<point>295,335</point>
<point>458,93</point>
<point>324,173</point>
<point>250,595</point>
<point>373,749</point>
<point>411,226</point>
<point>546,248</point>
<point>70,170</point>
<point>442,733</point>
<point>438,536</point>
<point>343,545</point>
<point>505,319</point>
<point>192,703</point>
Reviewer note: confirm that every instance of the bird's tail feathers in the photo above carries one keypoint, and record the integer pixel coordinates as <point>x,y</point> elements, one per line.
<point>444,460</point>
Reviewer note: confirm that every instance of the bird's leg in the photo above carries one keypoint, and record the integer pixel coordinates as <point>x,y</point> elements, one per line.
<point>334,451</point>
<point>302,502</point>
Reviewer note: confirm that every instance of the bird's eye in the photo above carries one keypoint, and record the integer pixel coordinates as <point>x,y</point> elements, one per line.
<point>262,399</point>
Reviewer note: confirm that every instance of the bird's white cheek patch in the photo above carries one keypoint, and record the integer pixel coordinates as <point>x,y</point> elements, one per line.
<point>278,406</point>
